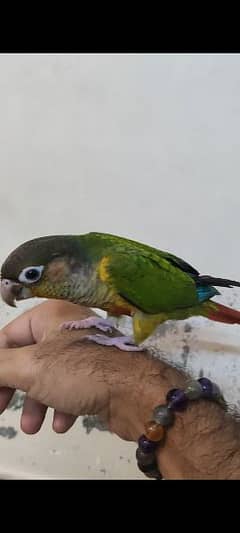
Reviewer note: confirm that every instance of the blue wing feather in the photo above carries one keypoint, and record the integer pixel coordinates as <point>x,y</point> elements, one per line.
<point>204,293</point>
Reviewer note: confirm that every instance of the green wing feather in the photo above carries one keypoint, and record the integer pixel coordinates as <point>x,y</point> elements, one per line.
<point>152,284</point>
<point>152,280</point>
<point>98,241</point>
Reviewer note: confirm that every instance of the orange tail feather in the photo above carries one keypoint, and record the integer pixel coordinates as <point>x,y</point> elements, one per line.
<point>221,313</point>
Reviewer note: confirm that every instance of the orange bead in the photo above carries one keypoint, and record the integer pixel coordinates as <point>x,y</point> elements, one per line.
<point>154,431</point>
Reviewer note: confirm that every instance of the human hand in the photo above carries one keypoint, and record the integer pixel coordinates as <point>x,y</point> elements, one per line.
<point>28,329</point>
<point>59,369</point>
<point>56,369</point>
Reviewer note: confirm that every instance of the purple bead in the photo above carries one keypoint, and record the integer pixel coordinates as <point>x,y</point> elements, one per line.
<point>145,459</point>
<point>177,399</point>
<point>146,445</point>
<point>150,471</point>
<point>207,387</point>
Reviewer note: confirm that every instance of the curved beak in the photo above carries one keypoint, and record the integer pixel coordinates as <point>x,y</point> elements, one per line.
<point>11,291</point>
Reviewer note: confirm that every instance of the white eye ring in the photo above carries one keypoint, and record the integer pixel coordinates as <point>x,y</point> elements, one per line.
<point>31,274</point>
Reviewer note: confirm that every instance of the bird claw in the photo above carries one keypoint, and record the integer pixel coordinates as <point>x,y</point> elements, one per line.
<point>90,322</point>
<point>122,343</point>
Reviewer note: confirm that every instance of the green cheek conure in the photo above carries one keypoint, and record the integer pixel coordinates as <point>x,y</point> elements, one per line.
<point>118,275</point>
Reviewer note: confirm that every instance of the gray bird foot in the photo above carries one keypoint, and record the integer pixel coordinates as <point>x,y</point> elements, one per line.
<point>122,343</point>
<point>90,322</point>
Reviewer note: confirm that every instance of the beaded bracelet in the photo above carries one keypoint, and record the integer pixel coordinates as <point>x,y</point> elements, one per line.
<point>163,417</point>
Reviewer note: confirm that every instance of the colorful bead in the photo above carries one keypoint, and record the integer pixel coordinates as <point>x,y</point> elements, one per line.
<point>177,400</point>
<point>162,415</point>
<point>154,431</point>
<point>146,445</point>
<point>150,471</point>
<point>207,387</point>
<point>193,390</point>
<point>145,458</point>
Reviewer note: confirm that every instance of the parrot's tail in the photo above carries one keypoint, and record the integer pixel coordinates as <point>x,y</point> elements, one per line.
<point>221,313</point>
<point>217,282</point>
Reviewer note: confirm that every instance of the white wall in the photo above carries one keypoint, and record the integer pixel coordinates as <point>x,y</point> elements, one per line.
<point>142,145</point>
<point>145,146</point>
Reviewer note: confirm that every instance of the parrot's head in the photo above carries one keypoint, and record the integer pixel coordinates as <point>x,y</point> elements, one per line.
<point>44,267</point>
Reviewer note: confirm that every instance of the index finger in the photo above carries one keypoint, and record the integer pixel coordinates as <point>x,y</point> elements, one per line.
<point>18,332</point>
<point>33,325</point>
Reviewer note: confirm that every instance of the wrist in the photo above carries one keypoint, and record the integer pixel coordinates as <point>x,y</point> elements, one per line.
<point>141,383</point>
<point>203,441</point>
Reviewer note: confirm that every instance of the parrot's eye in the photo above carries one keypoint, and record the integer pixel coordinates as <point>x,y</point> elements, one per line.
<point>31,274</point>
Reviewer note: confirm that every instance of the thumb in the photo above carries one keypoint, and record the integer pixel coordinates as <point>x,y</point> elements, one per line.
<point>17,367</point>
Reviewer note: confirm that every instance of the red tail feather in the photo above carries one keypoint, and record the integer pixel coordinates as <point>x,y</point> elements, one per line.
<point>221,313</point>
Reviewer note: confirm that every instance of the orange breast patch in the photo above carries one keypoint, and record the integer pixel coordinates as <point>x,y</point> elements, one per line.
<point>119,307</point>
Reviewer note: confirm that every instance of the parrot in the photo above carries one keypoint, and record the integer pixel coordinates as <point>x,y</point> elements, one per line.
<point>118,275</point>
